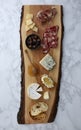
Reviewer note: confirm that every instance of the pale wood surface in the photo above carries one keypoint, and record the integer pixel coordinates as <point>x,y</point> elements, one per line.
<point>37,55</point>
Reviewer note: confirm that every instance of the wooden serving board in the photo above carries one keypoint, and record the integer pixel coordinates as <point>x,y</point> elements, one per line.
<point>34,56</point>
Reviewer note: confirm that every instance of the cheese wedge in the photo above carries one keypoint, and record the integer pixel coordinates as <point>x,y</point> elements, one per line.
<point>48,62</point>
<point>39,89</point>
<point>46,95</point>
<point>32,91</point>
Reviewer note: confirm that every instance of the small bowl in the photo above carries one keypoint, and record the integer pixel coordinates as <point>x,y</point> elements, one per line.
<point>33,41</point>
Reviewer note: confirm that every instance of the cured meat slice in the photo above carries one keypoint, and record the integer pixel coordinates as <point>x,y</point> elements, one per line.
<point>53,43</point>
<point>46,15</point>
<point>54,11</point>
<point>50,39</point>
<point>52,29</point>
<point>45,51</point>
<point>45,47</point>
<point>42,16</point>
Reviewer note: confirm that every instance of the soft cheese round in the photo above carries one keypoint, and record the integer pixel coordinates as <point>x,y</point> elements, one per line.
<point>32,91</point>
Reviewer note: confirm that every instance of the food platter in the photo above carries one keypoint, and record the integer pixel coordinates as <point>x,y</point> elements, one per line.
<point>41,34</point>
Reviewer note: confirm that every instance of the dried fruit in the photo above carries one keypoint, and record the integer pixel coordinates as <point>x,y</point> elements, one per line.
<point>33,41</point>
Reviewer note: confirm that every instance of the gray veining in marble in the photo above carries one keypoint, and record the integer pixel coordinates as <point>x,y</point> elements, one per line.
<point>69,108</point>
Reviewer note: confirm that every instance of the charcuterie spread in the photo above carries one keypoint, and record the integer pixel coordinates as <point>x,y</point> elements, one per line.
<point>41,33</point>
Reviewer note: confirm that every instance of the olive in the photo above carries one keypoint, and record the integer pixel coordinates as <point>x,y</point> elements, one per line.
<point>33,41</point>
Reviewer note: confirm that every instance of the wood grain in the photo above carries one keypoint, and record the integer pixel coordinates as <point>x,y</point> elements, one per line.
<point>34,57</point>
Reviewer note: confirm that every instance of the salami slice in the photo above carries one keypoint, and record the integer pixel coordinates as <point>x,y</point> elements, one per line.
<point>53,44</point>
<point>45,47</point>
<point>48,13</point>
<point>54,28</point>
<point>50,39</point>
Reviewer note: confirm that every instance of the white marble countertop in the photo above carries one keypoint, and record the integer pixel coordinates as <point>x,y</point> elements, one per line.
<point>69,108</point>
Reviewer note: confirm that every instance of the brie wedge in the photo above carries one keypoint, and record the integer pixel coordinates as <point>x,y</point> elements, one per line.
<point>48,62</point>
<point>39,89</point>
<point>33,90</point>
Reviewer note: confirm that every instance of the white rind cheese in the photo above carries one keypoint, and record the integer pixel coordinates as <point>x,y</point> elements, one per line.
<point>32,91</point>
<point>48,62</point>
<point>39,89</point>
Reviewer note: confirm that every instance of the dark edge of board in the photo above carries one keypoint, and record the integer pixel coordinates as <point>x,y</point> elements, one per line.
<point>55,105</point>
<point>21,113</point>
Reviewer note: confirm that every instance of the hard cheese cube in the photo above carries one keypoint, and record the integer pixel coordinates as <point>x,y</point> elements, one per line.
<point>29,16</point>
<point>29,22</point>
<point>32,25</point>
<point>35,29</point>
<point>27,28</point>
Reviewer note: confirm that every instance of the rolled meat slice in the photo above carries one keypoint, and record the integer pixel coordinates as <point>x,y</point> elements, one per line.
<point>46,15</point>
<point>54,12</point>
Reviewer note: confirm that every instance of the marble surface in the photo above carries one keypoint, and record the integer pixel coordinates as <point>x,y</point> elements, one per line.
<point>69,108</point>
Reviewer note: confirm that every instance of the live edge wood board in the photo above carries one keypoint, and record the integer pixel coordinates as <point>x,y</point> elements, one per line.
<point>34,56</point>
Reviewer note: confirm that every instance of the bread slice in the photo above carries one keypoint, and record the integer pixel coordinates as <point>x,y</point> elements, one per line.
<point>38,108</point>
<point>41,116</point>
